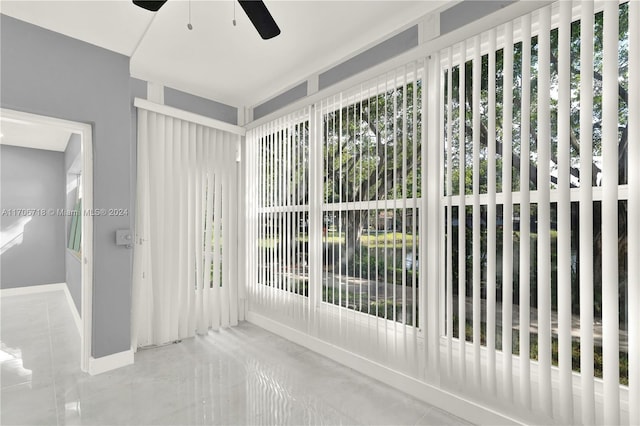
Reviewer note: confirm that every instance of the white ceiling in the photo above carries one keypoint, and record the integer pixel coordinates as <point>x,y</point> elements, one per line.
<point>216,60</point>
<point>33,135</point>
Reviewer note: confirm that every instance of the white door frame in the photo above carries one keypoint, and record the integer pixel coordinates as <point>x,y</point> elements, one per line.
<point>85,132</point>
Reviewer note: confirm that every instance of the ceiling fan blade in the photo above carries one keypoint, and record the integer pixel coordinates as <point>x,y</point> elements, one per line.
<point>260,18</point>
<point>152,5</point>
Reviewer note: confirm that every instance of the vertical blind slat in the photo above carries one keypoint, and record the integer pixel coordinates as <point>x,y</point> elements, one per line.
<point>403,189</point>
<point>280,230</point>
<point>634,212</point>
<point>491,216</point>
<point>272,222</point>
<point>226,243</point>
<point>462,217</point>
<point>395,179</point>
<point>433,187</point>
<point>507,215</point>
<point>258,159</point>
<point>563,258</point>
<point>449,179</point>
<point>201,327</point>
<point>610,311</point>
<point>414,222</point>
<point>233,216</point>
<point>208,240</point>
<point>544,214</point>
<point>587,399</point>
<point>477,252</point>
<point>525,215</point>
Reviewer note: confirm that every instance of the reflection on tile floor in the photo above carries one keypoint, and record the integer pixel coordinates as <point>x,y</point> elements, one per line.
<point>243,375</point>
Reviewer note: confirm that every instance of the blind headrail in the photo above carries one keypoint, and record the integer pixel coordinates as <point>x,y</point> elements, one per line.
<point>189,116</point>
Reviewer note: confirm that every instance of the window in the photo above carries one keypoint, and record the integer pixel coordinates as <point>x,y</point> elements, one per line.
<point>536,172</point>
<point>283,197</point>
<point>526,214</point>
<point>371,174</point>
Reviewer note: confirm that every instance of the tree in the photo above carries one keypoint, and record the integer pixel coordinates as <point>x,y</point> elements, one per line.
<point>534,141</point>
<point>370,147</point>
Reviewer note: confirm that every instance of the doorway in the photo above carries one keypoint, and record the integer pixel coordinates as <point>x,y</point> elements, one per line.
<point>79,184</point>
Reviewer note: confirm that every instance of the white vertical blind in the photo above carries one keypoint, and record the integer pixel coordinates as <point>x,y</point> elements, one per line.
<point>525,216</point>
<point>216,297</point>
<point>610,312</point>
<point>634,212</point>
<point>586,212</point>
<point>476,278</point>
<point>280,152</point>
<point>563,255</point>
<point>225,228</point>
<point>526,149</point>
<point>462,261</point>
<point>357,249</point>
<point>231,258</point>
<point>315,181</point>
<point>491,215</point>
<point>430,155</point>
<point>547,141</point>
<point>243,223</point>
<point>507,209</point>
<point>208,255</point>
<point>177,229</point>
<point>415,181</point>
<point>544,215</point>
<point>142,296</point>
<point>449,219</point>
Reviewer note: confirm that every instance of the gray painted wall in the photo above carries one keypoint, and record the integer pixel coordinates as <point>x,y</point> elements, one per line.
<point>34,252</point>
<point>50,74</point>
<point>202,106</point>
<point>468,11</point>
<point>280,101</point>
<point>47,73</point>
<point>73,266</point>
<point>375,55</point>
<point>379,53</point>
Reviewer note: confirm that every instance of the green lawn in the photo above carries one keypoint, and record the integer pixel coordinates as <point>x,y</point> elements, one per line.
<point>390,240</point>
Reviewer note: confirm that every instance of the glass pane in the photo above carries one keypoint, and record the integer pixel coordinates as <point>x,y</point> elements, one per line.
<point>371,262</point>
<point>372,148</point>
<point>284,251</point>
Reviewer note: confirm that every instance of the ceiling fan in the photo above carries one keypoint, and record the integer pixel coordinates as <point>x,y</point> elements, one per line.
<point>255,10</point>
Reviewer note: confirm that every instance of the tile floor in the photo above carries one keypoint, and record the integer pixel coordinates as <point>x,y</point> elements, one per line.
<point>243,375</point>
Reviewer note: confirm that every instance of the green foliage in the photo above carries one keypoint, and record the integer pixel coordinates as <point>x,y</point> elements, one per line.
<point>367,265</point>
<point>369,150</point>
<point>388,240</point>
<point>381,308</point>
<point>456,145</point>
<point>534,349</point>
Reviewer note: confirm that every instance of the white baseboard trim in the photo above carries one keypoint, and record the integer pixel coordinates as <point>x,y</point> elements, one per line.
<point>110,362</point>
<point>459,406</point>
<point>33,289</point>
<point>72,308</point>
